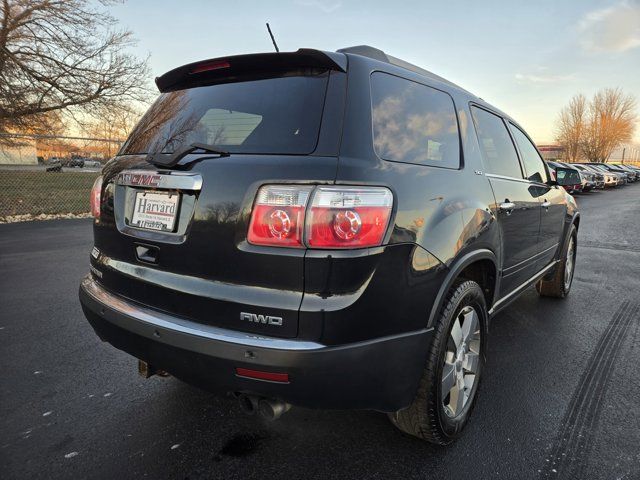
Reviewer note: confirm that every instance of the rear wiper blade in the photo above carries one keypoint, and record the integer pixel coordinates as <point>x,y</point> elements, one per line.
<point>165,160</point>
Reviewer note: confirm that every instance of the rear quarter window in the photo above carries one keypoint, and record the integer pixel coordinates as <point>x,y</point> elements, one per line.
<point>413,123</point>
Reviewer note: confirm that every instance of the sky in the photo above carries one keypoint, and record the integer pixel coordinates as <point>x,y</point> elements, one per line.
<point>527,58</point>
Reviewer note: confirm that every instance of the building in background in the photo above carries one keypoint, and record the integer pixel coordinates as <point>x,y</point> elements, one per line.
<point>551,152</point>
<point>22,155</point>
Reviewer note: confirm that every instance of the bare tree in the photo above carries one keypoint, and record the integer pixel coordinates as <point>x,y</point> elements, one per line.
<point>113,125</point>
<point>611,122</point>
<point>162,127</point>
<point>594,129</point>
<point>61,59</point>
<point>571,126</point>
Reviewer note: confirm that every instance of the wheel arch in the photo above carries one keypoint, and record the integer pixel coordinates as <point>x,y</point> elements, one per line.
<point>575,220</point>
<point>479,265</point>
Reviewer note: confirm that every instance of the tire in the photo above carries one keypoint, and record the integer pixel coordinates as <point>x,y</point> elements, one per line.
<point>428,417</point>
<point>559,285</point>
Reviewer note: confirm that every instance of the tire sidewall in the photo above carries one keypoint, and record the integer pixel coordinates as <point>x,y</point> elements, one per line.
<point>473,296</point>
<point>572,235</point>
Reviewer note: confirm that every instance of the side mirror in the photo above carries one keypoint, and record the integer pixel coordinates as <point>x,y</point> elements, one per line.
<point>567,176</point>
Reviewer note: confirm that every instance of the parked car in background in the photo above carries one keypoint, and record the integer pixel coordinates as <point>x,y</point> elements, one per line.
<point>595,179</point>
<point>631,176</point>
<point>575,188</point>
<point>76,162</point>
<point>53,165</point>
<point>323,252</point>
<point>609,179</point>
<point>634,173</point>
<point>634,168</point>
<point>587,178</point>
<point>92,164</point>
<point>619,177</point>
<point>628,176</point>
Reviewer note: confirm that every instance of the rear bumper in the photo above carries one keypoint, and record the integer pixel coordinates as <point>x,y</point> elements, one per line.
<point>381,374</point>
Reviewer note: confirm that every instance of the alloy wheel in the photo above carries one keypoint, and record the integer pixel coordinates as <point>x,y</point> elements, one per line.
<point>569,264</point>
<point>461,362</point>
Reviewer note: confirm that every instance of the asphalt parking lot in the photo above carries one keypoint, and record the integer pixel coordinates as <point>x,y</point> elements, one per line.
<point>560,397</point>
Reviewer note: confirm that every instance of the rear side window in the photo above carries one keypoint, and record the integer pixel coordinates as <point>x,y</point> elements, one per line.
<point>530,157</point>
<point>413,123</point>
<point>267,115</point>
<point>497,148</point>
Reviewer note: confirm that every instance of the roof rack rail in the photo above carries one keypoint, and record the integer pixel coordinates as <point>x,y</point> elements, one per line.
<point>377,54</point>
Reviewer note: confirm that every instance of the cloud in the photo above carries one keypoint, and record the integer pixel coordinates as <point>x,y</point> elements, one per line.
<point>540,78</point>
<point>412,126</point>
<point>614,29</point>
<point>324,6</point>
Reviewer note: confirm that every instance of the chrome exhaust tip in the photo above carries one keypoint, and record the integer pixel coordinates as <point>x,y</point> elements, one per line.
<point>271,409</point>
<point>248,403</point>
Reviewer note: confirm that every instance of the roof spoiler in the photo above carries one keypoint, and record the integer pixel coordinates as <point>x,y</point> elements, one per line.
<point>207,71</point>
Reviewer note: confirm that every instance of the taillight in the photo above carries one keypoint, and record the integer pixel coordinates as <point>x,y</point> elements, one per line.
<point>95,197</point>
<point>348,217</point>
<point>338,217</point>
<point>278,216</point>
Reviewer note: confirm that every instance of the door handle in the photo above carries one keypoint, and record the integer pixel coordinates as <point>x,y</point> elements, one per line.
<point>545,204</point>
<point>507,207</point>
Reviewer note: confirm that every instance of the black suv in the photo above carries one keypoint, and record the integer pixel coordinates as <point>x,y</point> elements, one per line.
<point>325,229</point>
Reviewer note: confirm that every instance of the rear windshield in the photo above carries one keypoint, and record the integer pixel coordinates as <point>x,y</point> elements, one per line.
<point>269,115</point>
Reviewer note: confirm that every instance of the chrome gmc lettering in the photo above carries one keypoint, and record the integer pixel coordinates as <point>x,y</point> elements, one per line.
<point>146,180</point>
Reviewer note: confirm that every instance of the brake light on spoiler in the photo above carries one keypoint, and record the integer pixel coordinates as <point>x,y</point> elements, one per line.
<point>321,217</point>
<point>208,67</point>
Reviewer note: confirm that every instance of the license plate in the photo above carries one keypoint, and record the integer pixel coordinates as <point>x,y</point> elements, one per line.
<point>155,211</point>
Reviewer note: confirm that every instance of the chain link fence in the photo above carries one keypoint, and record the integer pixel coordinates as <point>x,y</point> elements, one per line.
<point>45,176</point>
<point>49,176</point>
